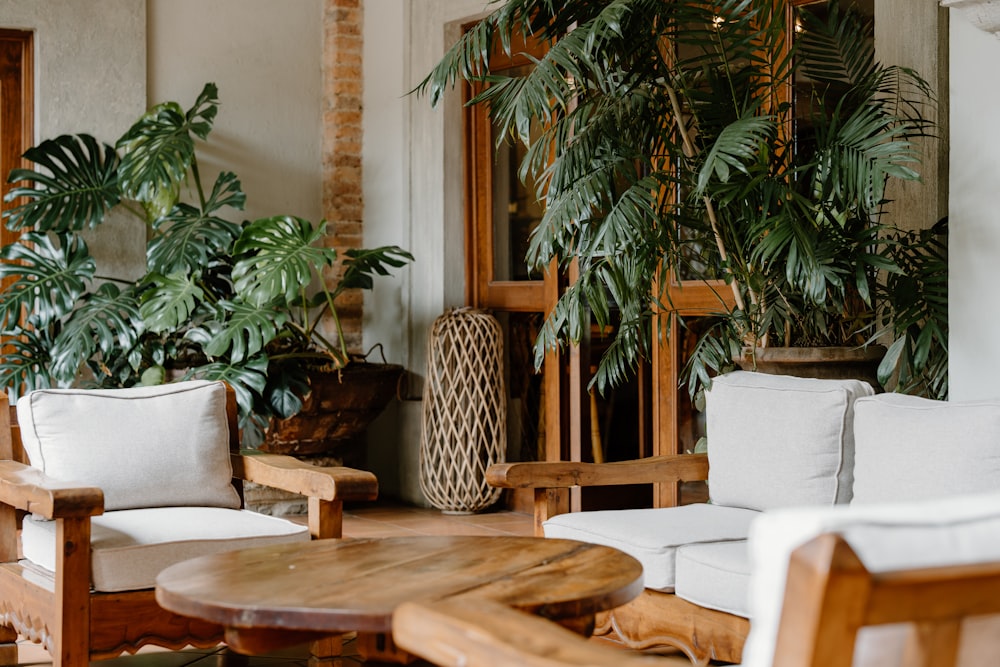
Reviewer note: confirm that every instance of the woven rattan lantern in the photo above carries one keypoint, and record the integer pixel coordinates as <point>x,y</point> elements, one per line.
<point>465,411</point>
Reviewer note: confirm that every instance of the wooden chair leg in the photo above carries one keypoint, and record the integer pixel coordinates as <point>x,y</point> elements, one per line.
<point>933,644</point>
<point>72,623</point>
<point>8,645</point>
<point>326,518</point>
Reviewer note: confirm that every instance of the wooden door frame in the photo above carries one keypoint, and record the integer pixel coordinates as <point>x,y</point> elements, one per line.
<point>16,107</point>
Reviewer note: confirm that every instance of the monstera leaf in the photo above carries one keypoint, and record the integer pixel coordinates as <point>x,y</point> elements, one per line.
<point>244,333</point>
<point>170,302</point>
<point>362,264</point>
<point>52,273</point>
<point>158,150</point>
<point>106,321</point>
<point>279,258</point>
<point>24,365</point>
<point>77,188</point>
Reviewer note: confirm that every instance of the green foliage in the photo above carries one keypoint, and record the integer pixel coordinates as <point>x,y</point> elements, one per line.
<point>220,299</point>
<point>660,143</point>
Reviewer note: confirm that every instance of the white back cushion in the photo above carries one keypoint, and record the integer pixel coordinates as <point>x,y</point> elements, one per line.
<point>144,447</point>
<point>778,441</point>
<point>912,448</point>
<point>886,537</point>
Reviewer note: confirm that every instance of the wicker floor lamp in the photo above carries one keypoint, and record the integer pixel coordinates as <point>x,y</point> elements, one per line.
<point>465,411</point>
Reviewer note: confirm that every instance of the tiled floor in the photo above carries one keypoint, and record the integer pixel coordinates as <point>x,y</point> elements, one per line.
<point>380,520</point>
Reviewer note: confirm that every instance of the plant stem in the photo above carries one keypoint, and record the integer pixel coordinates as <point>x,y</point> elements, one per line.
<point>196,176</point>
<point>691,151</point>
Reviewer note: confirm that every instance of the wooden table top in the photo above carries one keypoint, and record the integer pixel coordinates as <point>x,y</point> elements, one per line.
<point>334,586</point>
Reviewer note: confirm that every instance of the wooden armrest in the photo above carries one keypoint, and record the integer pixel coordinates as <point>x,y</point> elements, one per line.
<point>564,474</point>
<point>474,632</point>
<point>30,489</point>
<point>290,474</point>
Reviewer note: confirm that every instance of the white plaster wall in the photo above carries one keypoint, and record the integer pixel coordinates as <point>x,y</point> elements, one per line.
<point>266,58</point>
<point>90,77</point>
<point>974,212</point>
<point>413,196</point>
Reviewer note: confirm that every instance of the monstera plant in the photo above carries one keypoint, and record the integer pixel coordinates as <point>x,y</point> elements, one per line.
<point>244,302</point>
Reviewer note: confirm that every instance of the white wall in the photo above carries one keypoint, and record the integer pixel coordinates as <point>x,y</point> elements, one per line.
<point>414,196</point>
<point>974,212</point>
<point>90,77</point>
<point>266,58</point>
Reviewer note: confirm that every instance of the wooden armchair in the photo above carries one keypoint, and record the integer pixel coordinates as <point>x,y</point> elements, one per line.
<point>829,597</point>
<point>60,606</point>
<point>775,441</point>
<point>654,618</point>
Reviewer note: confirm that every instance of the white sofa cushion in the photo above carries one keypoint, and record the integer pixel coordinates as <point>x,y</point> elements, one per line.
<point>652,536</point>
<point>144,447</point>
<point>780,441</point>
<point>886,537</point>
<point>715,575</point>
<point>130,547</point>
<point>913,448</point>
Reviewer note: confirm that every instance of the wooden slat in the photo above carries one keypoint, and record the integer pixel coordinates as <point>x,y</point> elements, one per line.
<point>558,474</point>
<point>474,633</point>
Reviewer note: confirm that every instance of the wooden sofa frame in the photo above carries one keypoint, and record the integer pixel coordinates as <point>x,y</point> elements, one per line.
<point>654,618</point>
<point>829,597</point>
<point>76,625</point>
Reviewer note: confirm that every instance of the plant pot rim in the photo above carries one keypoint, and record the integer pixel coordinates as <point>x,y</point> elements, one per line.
<point>809,355</point>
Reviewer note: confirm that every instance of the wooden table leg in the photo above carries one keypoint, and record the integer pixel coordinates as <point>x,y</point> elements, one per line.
<point>379,646</point>
<point>326,652</point>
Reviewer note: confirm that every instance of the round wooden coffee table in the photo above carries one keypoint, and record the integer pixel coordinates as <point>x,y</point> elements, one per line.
<point>276,596</point>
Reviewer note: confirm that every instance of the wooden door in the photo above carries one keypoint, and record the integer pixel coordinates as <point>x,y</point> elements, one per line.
<point>16,96</point>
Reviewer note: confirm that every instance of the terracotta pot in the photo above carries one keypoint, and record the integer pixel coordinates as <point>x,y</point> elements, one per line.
<point>817,362</point>
<point>339,407</point>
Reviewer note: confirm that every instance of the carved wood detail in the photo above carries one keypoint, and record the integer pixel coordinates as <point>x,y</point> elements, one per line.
<point>125,622</point>
<point>656,619</point>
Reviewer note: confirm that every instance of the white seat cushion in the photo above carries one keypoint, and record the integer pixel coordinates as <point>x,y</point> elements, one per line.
<point>886,537</point>
<point>130,547</point>
<point>780,441</point>
<point>715,575</point>
<point>144,447</point>
<point>652,536</point>
<point>912,448</point>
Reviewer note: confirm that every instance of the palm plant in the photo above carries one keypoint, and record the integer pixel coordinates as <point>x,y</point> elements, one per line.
<point>239,302</point>
<point>670,146</point>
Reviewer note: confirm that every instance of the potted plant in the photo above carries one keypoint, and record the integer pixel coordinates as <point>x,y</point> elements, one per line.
<point>241,302</point>
<point>665,142</point>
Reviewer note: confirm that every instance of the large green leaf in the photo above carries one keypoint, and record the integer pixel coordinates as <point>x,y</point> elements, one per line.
<point>77,186</point>
<point>281,256</point>
<point>248,379</point>
<point>170,301</point>
<point>106,321</point>
<point>52,272</point>
<point>245,331</point>
<point>158,150</point>
<point>361,265</point>
<point>24,365</point>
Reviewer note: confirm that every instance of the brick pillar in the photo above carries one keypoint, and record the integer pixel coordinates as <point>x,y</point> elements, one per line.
<point>342,194</point>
